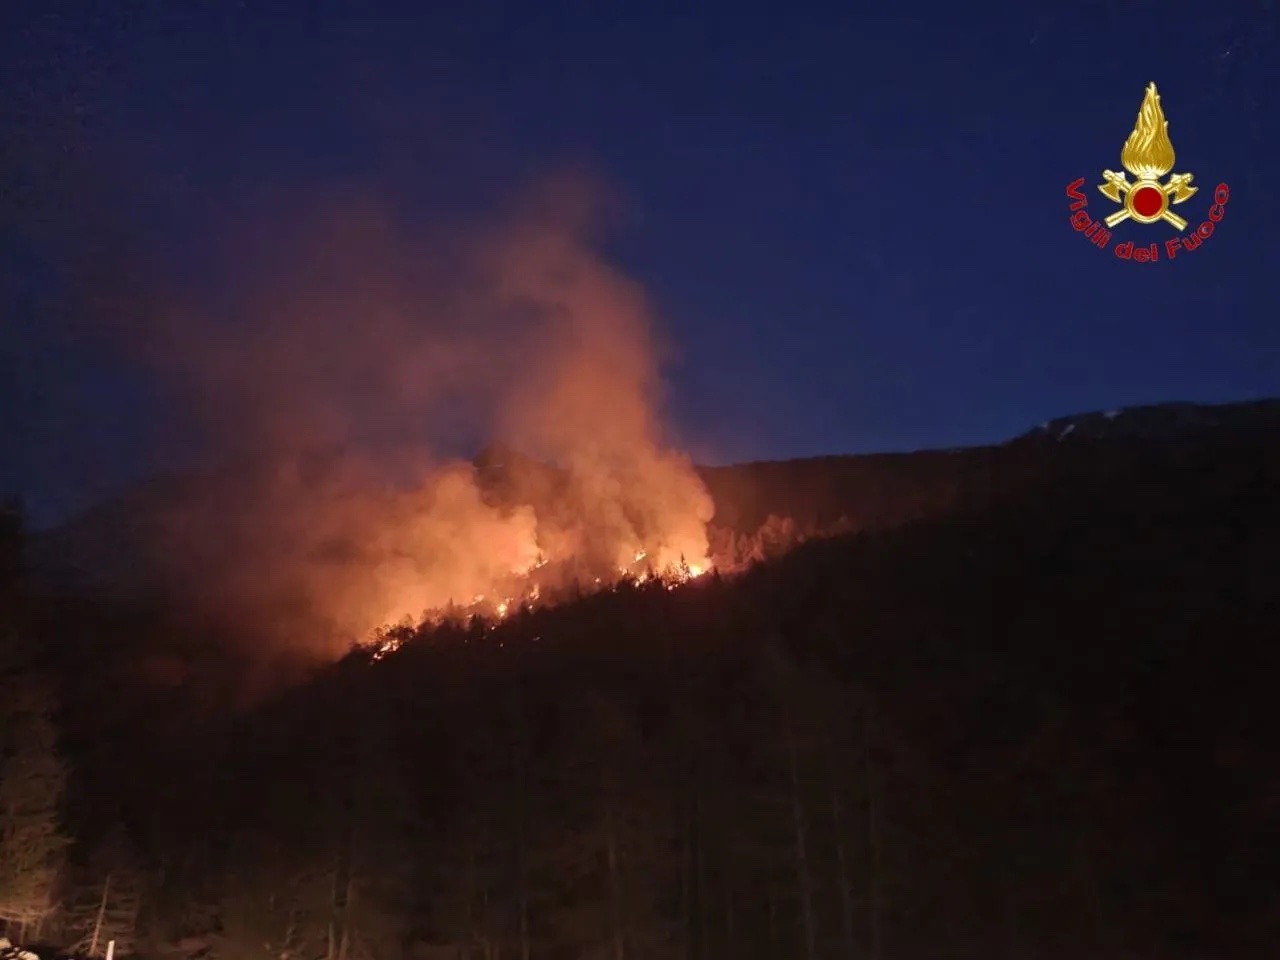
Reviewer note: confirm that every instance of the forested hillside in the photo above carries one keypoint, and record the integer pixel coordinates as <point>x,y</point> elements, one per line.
<point>1031,727</point>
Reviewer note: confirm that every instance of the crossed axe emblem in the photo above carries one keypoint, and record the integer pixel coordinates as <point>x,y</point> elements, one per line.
<point>1120,190</point>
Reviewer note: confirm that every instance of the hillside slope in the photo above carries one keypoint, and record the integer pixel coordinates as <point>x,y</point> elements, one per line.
<point>1039,727</point>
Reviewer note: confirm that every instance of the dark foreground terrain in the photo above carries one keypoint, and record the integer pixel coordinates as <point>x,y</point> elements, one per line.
<point>1029,714</point>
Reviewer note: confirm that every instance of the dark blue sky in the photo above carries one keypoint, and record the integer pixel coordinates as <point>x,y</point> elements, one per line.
<point>854,225</point>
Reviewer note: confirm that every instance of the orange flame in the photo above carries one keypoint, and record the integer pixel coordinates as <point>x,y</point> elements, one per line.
<point>385,641</point>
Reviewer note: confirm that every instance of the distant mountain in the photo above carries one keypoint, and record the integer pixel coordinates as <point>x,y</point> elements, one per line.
<point>887,490</point>
<point>1164,421</point>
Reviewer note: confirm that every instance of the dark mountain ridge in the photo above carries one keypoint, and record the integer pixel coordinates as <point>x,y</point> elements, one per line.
<point>1164,421</point>
<point>111,545</point>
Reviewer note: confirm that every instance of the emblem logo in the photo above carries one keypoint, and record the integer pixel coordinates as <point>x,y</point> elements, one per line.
<point>1148,155</point>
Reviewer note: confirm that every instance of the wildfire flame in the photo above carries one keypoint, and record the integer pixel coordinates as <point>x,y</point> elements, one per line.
<point>387,640</point>
<point>1148,153</point>
<point>340,392</point>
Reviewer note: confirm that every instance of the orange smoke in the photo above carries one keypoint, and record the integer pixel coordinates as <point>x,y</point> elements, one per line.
<point>590,406</point>
<point>361,351</point>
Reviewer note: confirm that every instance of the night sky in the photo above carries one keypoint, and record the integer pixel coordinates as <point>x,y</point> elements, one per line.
<point>854,226</point>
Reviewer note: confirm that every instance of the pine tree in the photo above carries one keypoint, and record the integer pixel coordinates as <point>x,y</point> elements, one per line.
<point>32,779</point>
<point>617,856</point>
<point>275,906</point>
<point>106,900</point>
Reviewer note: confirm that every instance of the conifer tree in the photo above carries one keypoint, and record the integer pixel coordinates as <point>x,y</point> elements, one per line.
<point>105,902</point>
<point>32,779</point>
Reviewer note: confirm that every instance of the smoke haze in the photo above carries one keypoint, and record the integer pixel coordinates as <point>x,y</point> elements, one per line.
<point>355,351</point>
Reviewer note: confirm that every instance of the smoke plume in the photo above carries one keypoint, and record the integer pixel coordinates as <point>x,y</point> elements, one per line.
<point>355,354</point>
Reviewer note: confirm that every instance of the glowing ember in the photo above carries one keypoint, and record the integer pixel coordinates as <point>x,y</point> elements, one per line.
<point>387,640</point>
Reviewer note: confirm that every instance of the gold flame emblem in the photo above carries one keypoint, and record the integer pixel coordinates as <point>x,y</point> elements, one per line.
<point>1148,155</point>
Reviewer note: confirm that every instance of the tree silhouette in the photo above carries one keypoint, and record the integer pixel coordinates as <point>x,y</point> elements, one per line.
<point>32,780</point>
<point>105,899</point>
